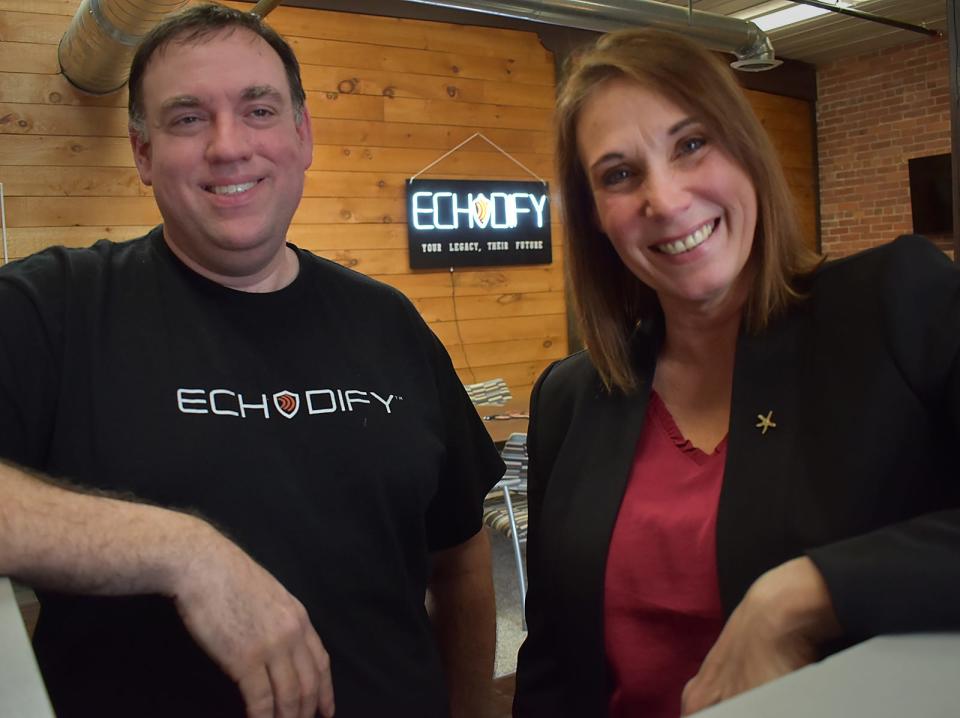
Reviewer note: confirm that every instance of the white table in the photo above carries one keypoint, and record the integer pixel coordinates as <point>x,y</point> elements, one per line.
<point>908,676</point>
<point>22,693</point>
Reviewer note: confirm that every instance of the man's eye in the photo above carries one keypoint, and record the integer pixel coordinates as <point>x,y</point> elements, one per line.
<point>262,113</point>
<point>186,120</point>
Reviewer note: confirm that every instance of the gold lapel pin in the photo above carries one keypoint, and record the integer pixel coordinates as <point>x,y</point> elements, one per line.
<point>766,422</point>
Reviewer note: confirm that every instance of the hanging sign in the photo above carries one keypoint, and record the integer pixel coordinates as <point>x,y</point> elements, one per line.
<point>477,223</point>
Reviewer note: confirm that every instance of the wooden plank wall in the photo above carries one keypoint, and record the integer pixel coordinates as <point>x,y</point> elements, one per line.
<point>791,124</point>
<point>387,97</point>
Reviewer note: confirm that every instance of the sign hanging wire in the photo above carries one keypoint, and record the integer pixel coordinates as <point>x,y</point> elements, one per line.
<point>492,144</point>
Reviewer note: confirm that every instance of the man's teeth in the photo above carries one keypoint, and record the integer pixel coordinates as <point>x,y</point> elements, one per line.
<point>689,242</point>
<point>231,188</point>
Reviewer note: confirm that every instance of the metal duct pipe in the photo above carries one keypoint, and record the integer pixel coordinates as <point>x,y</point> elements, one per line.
<point>96,50</point>
<point>264,8</point>
<point>740,37</point>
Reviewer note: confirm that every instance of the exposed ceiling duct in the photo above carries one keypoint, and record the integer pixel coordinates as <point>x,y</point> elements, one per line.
<point>742,38</point>
<point>96,50</point>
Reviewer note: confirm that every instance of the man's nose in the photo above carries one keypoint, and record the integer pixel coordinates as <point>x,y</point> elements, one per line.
<point>230,140</point>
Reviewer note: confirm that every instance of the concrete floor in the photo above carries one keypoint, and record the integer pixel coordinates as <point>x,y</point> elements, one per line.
<point>510,633</point>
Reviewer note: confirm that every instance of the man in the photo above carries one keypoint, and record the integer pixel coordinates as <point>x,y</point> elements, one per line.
<point>317,461</point>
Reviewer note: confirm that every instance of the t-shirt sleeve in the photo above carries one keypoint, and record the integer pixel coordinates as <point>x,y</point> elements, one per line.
<point>29,382</point>
<point>472,464</point>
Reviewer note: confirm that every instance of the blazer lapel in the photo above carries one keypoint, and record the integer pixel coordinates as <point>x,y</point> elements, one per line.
<point>761,457</point>
<point>586,488</point>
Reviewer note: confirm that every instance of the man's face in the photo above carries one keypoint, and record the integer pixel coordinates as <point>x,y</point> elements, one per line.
<point>223,151</point>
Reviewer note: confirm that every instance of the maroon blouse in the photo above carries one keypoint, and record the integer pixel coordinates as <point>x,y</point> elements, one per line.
<point>662,610</point>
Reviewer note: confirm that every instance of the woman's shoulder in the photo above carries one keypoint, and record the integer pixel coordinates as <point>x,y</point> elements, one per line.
<point>906,256</point>
<point>569,372</point>
<point>562,385</point>
<point>904,294</point>
<point>908,271</point>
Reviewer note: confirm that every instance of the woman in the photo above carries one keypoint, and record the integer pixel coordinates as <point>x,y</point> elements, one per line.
<point>754,462</point>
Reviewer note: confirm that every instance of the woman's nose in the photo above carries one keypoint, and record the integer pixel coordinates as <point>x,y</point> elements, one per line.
<point>664,195</point>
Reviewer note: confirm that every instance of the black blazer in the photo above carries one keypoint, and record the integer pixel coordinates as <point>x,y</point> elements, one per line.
<point>861,473</point>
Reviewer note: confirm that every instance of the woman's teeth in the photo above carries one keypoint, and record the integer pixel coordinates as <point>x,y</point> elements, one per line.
<point>231,188</point>
<point>689,242</point>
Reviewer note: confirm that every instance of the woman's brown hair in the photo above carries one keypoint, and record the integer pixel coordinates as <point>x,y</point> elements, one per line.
<point>610,302</point>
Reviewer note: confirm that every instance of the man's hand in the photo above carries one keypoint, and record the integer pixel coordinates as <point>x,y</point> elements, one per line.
<point>777,628</point>
<point>239,614</point>
<point>256,631</point>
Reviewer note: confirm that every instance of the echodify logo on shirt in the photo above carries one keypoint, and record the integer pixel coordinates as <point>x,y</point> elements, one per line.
<point>224,402</point>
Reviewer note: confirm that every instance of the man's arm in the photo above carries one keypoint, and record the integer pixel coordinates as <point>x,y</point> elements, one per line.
<point>464,616</point>
<point>239,614</point>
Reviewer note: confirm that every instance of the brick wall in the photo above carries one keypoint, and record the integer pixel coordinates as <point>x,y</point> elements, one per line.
<point>874,112</point>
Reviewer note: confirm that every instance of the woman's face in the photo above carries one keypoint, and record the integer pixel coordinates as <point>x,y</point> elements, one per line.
<point>678,210</point>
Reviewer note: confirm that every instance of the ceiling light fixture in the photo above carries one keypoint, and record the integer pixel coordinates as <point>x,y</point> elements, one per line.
<point>790,15</point>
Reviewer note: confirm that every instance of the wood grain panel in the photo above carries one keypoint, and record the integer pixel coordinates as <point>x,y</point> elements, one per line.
<point>32,27</point>
<point>428,136</point>
<point>331,237</point>
<point>463,113</point>
<point>333,105</point>
<point>27,57</point>
<point>32,181</point>
<point>64,211</point>
<point>399,32</point>
<point>401,109</point>
<point>417,62</point>
<point>24,241</point>
<point>350,210</point>
<point>530,304</point>
<point>62,120</point>
<point>509,351</point>
<point>40,89</point>
<point>481,331</point>
<point>370,261</point>
<point>320,183</point>
<point>65,151</point>
<point>785,121</point>
<point>790,124</point>
<point>479,282</point>
<point>50,7</point>
<point>424,87</point>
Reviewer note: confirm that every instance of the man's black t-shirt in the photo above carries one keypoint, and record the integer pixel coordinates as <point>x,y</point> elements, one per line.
<point>321,427</point>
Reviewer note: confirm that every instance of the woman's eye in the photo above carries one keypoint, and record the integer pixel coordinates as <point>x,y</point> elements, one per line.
<point>691,145</point>
<point>615,176</point>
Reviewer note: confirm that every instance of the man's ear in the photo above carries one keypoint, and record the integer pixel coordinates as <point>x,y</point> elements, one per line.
<point>305,133</point>
<point>141,155</point>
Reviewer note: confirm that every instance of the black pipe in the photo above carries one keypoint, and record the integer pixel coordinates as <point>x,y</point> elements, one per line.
<point>863,15</point>
<point>953,34</point>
